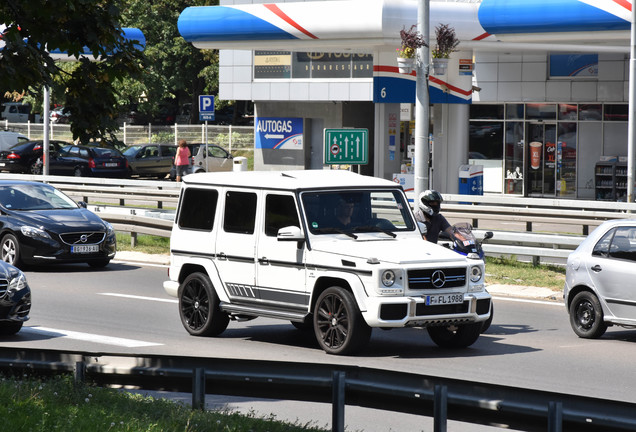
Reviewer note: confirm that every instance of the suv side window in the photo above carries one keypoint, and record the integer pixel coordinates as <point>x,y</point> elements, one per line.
<point>240,212</point>
<point>198,207</point>
<point>280,211</point>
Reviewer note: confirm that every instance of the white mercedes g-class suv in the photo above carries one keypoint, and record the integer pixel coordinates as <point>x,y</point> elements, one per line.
<point>330,250</point>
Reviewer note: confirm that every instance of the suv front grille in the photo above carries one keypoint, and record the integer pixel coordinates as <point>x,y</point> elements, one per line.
<point>437,278</point>
<point>83,238</point>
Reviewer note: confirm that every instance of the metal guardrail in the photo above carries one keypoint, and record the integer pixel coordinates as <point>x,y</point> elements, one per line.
<point>110,194</point>
<point>441,398</point>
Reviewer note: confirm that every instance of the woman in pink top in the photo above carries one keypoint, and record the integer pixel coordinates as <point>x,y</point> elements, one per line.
<point>182,159</point>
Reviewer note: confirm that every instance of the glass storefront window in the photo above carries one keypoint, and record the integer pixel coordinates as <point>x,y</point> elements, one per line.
<point>487,112</point>
<point>541,111</point>
<point>485,140</point>
<point>566,160</point>
<point>616,112</point>
<point>514,111</point>
<point>590,112</point>
<point>513,180</point>
<point>568,111</point>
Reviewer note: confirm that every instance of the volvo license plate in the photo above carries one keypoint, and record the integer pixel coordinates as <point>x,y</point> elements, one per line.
<point>84,249</point>
<point>442,299</point>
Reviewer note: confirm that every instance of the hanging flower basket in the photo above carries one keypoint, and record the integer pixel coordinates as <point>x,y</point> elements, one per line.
<point>440,65</point>
<point>405,65</point>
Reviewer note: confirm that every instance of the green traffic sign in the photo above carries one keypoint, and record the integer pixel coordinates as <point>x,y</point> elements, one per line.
<point>346,146</point>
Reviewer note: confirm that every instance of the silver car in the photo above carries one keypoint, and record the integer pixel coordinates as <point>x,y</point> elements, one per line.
<point>599,279</point>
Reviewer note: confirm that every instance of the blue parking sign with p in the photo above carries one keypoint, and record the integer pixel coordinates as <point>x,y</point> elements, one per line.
<point>206,107</point>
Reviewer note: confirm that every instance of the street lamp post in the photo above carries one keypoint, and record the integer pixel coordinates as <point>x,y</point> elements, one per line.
<point>421,162</point>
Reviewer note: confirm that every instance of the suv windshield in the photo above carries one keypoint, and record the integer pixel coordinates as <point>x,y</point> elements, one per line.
<point>357,211</point>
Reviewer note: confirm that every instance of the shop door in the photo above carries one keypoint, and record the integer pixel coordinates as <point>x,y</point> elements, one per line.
<point>541,167</point>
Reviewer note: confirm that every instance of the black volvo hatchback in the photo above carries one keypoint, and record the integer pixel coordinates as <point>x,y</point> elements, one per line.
<point>41,225</point>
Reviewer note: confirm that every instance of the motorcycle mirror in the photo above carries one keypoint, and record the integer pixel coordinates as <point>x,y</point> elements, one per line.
<point>488,235</point>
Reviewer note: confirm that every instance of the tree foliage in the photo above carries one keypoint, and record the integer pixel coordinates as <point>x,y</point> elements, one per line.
<point>34,28</point>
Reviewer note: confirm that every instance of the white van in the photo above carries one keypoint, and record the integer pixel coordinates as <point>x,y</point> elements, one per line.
<point>331,251</point>
<point>16,112</point>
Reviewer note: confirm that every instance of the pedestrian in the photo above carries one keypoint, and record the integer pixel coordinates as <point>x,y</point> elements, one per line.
<point>182,159</point>
<point>429,214</point>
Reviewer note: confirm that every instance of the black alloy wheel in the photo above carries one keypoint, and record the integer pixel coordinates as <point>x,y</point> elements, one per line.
<point>338,323</point>
<point>455,336</point>
<point>35,167</point>
<point>586,316</point>
<point>199,307</point>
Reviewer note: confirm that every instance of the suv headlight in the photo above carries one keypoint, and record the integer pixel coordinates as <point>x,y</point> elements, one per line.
<point>476,273</point>
<point>34,232</point>
<point>388,278</point>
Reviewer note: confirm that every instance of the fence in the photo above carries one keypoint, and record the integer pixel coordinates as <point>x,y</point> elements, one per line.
<point>426,395</point>
<point>233,138</point>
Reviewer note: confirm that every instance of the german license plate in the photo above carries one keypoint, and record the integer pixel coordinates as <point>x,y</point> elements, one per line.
<point>79,249</point>
<point>111,164</point>
<point>442,299</point>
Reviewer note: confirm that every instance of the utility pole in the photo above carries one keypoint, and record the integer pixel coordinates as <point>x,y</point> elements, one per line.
<point>632,110</point>
<point>421,162</point>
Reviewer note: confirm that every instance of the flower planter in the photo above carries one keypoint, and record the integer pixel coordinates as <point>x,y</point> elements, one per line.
<point>440,65</point>
<point>405,65</point>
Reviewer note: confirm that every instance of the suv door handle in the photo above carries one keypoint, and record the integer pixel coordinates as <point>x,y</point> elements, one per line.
<point>597,268</point>
<point>222,255</point>
<point>263,261</point>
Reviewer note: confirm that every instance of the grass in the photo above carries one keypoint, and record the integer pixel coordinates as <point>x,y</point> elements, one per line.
<point>507,271</point>
<point>59,404</point>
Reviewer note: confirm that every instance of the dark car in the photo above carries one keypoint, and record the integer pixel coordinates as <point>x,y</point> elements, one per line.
<point>88,160</point>
<point>15,299</point>
<point>154,160</point>
<point>26,157</point>
<point>41,225</point>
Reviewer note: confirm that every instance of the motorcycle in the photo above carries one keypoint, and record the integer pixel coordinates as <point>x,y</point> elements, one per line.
<point>463,241</point>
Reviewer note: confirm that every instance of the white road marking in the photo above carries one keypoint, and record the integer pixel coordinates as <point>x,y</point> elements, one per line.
<point>89,337</point>
<point>519,300</point>
<point>140,297</point>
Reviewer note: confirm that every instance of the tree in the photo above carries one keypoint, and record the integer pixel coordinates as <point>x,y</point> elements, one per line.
<point>36,27</point>
<point>175,71</point>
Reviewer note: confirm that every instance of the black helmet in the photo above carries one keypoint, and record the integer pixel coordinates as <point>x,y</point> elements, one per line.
<point>429,196</point>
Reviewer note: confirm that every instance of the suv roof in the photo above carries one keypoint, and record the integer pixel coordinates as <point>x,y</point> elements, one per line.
<point>289,180</point>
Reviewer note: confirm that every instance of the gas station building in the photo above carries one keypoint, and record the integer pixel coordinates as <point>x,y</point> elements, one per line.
<point>535,97</point>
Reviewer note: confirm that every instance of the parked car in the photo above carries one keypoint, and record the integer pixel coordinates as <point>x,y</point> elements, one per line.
<point>598,292</point>
<point>26,157</point>
<point>15,298</point>
<point>58,115</point>
<point>89,160</point>
<point>8,139</point>
<point>16,112</point>
<point>217,159</point>
<point>41,225</point>
<point>150,159</point>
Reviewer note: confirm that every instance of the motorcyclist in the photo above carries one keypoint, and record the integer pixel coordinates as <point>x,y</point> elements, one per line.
<point>429,205</point>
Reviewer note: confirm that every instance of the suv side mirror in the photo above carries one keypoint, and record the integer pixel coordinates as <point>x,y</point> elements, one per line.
<point>290,233</point>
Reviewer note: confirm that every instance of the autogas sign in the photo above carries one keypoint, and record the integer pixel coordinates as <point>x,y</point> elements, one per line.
<point>278,133</point>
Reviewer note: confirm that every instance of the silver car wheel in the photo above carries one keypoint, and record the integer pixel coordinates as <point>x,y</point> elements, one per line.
<point>10,249</point>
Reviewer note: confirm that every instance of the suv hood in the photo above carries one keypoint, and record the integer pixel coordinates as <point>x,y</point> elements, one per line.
<point>397,251</point>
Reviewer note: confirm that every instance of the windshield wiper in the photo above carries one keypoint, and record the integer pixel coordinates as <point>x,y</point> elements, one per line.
<point>331,230</point>
<point>374,228</point>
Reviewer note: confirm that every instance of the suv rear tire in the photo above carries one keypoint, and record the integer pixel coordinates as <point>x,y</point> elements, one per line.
<point>338,323</point>
<point>199,307</point>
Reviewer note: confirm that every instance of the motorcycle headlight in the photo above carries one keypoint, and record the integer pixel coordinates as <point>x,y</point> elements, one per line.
<point>388,278</point>
<point>34,232</point>
<point>476,274</point>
